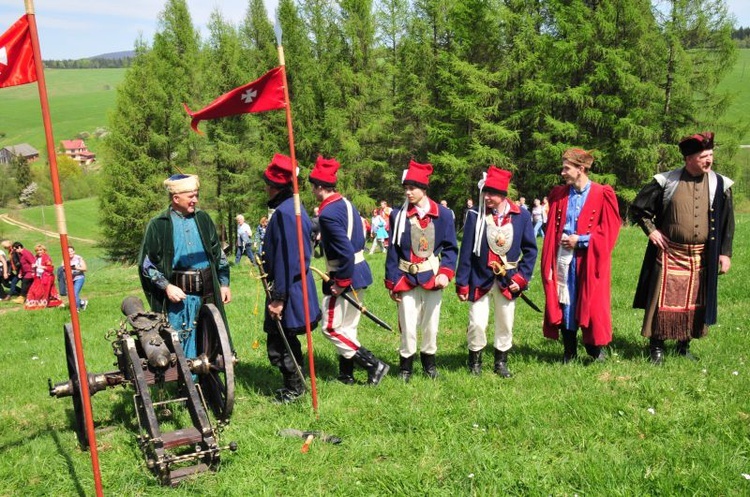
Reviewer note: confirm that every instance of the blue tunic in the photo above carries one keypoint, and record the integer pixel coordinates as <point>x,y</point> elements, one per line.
<point>576,199</point>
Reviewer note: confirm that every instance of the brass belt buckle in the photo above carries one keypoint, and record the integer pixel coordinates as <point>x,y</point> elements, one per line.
<point>413,269</point>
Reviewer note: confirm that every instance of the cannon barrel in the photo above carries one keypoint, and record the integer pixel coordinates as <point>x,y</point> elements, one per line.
<point>147,326</point>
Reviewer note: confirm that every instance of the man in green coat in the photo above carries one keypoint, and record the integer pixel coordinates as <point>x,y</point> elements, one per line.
<point>181,264</point>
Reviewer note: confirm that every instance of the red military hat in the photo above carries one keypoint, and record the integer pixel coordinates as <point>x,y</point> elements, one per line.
<point>697,143</point>
<point>497,180</point>
<point>324,172</point>
<point>279,171</point>
<point>417,174</point>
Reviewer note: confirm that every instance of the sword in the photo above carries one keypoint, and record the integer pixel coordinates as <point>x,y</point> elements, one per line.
<point>529,302</point>
<point>499,270</point>
<point>353,302</point>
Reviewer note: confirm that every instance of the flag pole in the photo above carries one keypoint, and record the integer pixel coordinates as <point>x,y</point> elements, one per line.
<point>63,230</point>
<point>298,216</point>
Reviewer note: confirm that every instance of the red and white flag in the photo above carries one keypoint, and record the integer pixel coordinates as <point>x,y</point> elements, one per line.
<point>17,55</point>
<point>264,94</point>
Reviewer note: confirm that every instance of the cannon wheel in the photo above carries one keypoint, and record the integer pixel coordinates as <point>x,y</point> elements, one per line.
<point>212,339</point>
<point>70,356</point>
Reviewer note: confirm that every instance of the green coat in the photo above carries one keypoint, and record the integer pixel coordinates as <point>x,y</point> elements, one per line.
<point>159,247</point>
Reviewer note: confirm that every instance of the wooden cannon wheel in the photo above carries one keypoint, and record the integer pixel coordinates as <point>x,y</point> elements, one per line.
<point>71,358</point>
<point>212,339</point>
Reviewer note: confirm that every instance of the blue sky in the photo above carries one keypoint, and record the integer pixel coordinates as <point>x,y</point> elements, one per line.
<point>73,29</point>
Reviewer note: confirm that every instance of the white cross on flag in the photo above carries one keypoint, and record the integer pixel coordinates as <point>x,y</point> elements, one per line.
<point>17,55</point>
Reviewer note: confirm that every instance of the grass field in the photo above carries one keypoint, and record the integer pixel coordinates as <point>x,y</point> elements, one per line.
<point>618,428</point>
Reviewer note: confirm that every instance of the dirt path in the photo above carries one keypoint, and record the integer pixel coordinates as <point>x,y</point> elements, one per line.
<point>14,222</point>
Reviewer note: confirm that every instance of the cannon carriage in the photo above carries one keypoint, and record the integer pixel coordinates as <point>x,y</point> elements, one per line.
<point>149,358</point>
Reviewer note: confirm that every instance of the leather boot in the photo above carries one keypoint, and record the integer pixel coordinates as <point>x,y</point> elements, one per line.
<point>376,369</point>
<point>595,352</point>
<point>346,371</point>
<point>428,364</point>
<point>656,351</point>
<point>501,363</point>
<point>475,362</point>
<point>293,389</point>
<point>570,345</point>
<point>683,348</point>
<point>405,366</point>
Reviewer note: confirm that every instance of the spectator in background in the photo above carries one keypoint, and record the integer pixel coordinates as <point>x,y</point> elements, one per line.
<point>42,292</point>
<point>537,217</point>
<point>444,203</point>
<point>260,234</point>
<point>5,270</point>
<point>378,232</point>
<point>522,203</point>
<point>78,266</point>
<point>26,262</point>
<point>244,247</point>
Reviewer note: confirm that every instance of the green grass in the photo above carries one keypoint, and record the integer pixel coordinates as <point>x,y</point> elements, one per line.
<point>79,101</point>
<point>584,429</point>
<point>737,82</point>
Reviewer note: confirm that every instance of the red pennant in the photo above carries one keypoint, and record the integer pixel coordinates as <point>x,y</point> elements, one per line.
<point>17,55</point>
<point>264,94</point>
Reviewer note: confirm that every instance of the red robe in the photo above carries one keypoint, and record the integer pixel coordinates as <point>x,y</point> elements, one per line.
<point>600,218</point>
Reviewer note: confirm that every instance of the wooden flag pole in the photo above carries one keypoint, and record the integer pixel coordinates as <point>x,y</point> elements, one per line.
<point>63,230</point>
<point>298,216</point>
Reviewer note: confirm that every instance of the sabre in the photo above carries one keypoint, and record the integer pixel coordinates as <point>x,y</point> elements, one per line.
<point>353,302</point>
<point>266,287</point>
<point>500,270</point>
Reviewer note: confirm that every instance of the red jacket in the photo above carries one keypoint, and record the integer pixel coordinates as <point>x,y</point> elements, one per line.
<point>600,218</point>
<point>27,261</point>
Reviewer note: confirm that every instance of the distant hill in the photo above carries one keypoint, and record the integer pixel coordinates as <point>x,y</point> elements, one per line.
<point>115,55</point>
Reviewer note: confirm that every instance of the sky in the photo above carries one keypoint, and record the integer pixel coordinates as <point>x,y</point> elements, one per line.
<point>75,29</point>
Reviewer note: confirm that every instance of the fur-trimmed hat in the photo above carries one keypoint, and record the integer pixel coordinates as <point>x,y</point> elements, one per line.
<point>497,180</point>
<point>181,183</point>
<point>578,157</point>
<point>324,172</point>
<point>697,143</point>
<point>279,171</point>
<point>417,175</point>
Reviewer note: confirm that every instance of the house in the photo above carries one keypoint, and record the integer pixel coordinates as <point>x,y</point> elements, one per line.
<point>22,149</point>
<point>77,150</point>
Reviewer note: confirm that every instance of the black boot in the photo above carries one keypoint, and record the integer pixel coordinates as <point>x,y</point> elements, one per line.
<point>683,348</point>
<point>501,363</point>
<point>376,369</point>
<point>293,389</point>
<point>656,351</point>
<point>595,352</point>
<point>405,366</point>
<point>428,364</point>
<point>346,371</point>
<point>570,345</point>
<point>475,362</point>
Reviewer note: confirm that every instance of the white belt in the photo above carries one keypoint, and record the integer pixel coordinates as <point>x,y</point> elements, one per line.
<point>333,265</point>
<point>432,263</point>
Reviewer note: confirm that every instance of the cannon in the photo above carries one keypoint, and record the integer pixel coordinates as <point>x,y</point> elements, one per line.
<point>150,358</point>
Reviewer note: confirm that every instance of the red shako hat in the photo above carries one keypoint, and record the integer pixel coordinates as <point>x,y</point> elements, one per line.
<point>324,172</point>
<point>697,143</point>
<point>279,171</point>
<point>417,175</point>
<point>498,180</point>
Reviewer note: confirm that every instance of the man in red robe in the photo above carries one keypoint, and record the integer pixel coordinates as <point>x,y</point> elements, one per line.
<point>583,225</point>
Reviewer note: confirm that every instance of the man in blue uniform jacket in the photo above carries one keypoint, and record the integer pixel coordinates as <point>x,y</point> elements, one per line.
<point>343,241</point>
<point>281,263</point>
<point>497,258</point>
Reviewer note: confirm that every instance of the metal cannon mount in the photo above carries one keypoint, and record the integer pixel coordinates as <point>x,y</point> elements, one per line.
<point>149,358</point>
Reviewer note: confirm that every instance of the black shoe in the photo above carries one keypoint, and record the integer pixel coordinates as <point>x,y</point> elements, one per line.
<point>346,371</point>
<point>570,345</point>
<point>683,349</point>
<point>405,368</point>
<point>376,369</point>
<point>475,362</point>
<point>596,353</point>
<point>428,364</point>
<point>501,363</point>
<point>656,352</point>
<point>294,388</point>
<point>286,396</point>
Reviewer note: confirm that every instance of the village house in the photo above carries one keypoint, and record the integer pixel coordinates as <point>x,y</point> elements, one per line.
<point>21,150</point>
<point>77,150</point>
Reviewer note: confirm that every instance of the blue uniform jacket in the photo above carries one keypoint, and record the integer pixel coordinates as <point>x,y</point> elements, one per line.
<point>446,246</point>
<point>338,248</point>
<point>281,262</point>
<point>475,278</point>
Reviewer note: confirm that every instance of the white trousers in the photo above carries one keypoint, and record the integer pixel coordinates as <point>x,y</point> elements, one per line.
<point>419,309</point>
<point>340,321</point>
<point>479,316</point>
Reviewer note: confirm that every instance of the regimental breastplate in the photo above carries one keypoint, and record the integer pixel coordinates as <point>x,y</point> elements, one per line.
<point>499,238</point>
<point>422,239</point>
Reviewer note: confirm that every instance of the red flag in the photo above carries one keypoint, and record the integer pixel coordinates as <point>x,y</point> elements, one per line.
<point>17,55</point>
<point>264,94</point>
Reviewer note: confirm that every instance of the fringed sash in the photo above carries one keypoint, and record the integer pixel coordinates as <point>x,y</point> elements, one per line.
<point>682,299</point>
